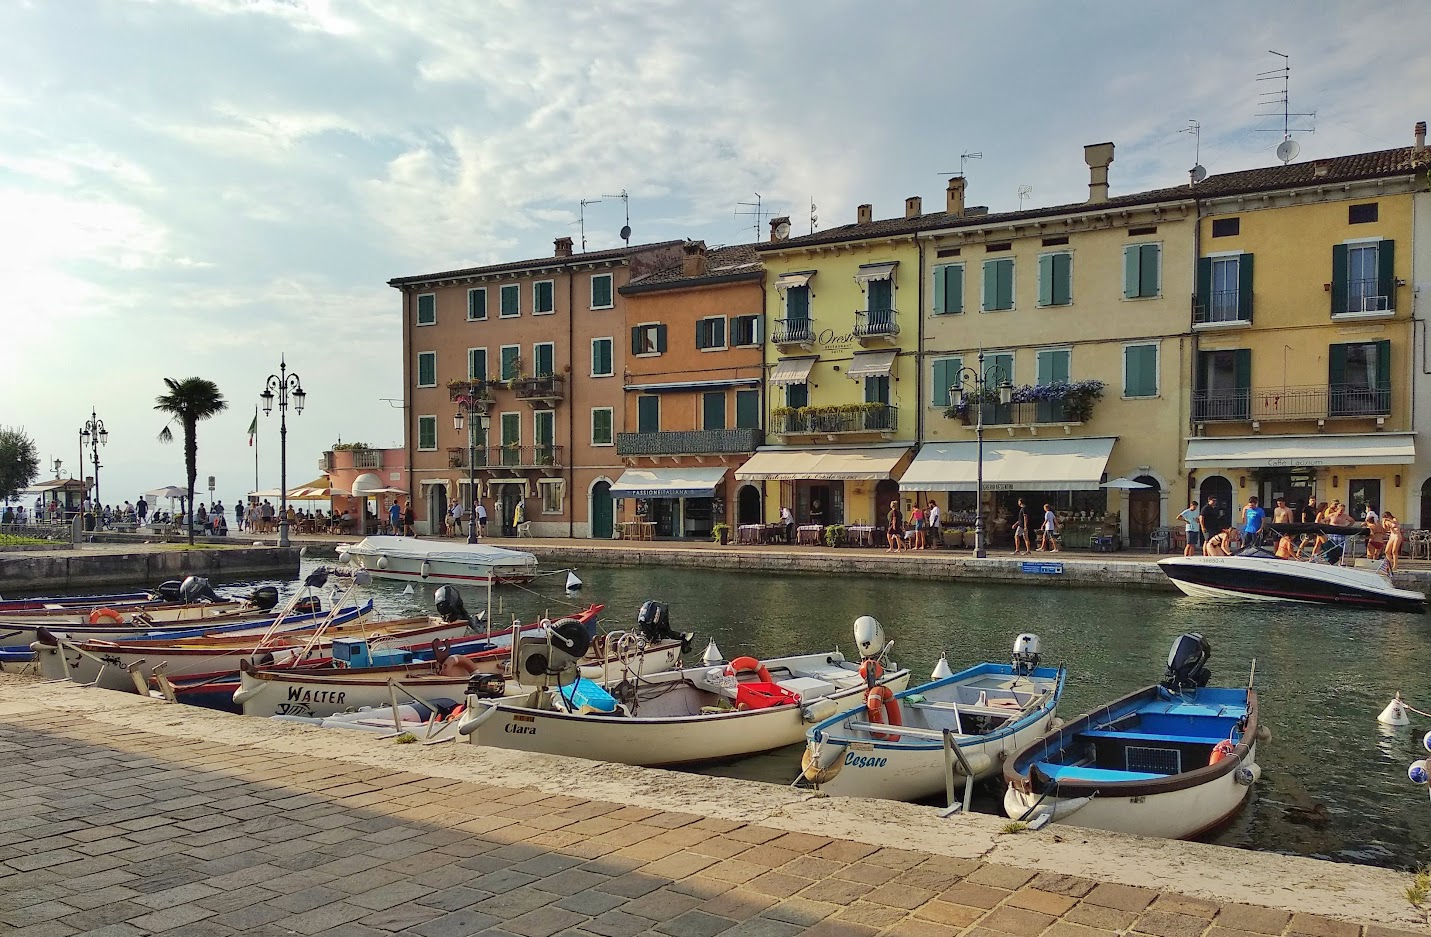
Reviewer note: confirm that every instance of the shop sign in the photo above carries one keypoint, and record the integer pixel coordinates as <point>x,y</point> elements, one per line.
<point>829,338</point>
<point>1042,569</point>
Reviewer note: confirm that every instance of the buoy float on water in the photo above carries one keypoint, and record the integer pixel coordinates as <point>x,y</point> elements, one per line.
<point>573,584</point>
<point>712,655</point>
<point>1395,713</point>
<point>941,669</point>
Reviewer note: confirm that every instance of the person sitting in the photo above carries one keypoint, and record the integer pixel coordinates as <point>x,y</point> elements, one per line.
<point>1284,548</point>
<point>448,664</point>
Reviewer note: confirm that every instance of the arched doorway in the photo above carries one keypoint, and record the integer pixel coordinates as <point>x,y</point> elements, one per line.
<point>602,515</point>
<point>1144,511</point>
<point>1425,520</point>
<point>747,505</point>
<point>886,490</point>
<point>1216,486</point>
<point>436,508</point>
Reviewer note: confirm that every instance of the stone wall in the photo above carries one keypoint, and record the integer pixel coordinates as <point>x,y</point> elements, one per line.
<point>75,569</point>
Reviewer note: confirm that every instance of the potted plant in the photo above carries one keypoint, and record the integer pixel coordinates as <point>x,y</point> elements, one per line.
<point>835,535</point>
<point>720,534</point>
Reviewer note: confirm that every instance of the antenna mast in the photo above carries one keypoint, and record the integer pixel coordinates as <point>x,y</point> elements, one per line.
<point>1287,150</point>
<point>585,202</point>
<point>625,204</point>
<point>963,160</point>
<point>813,217</point>
<point>754,209</point>
<point>1195,129</point>
<point>1025,192</point>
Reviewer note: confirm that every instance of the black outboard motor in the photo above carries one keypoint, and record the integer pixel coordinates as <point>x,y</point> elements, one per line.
<point>1187,663</point>
<point>308,605</point>
<point>653,622</point>
<point>169,590</point>
<point>195,588</point>
<point>264,597</point>
<point>487,686</point>
<point>449,604</point>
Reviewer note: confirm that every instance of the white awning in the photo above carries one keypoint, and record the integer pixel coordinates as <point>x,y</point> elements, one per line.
<point>367,482</point>
<point>868,272</point>
<point>792,371</point>
<point>787,280</point>
<point>872,364</point>
<point>1299,451</point>
<point>835,464</point>
<point>668,483</point>
<point>1032,464</point>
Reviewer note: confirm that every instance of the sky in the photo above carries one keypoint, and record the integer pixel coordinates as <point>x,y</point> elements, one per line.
<point>203,187</point>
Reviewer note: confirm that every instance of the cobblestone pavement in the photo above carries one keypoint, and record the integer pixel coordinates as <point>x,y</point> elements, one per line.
<point>109,832</point>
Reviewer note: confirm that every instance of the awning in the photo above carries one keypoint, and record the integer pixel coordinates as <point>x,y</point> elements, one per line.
<point>693,385</point>
<point>787,280</point>
<point>1032,465</point>
<point>792,371</point>
<point>868,272</point>
<point>668,483</point>
<point>872,364</point>
<point>1298,451</point>
<point>835,464</point>
<point>366,483</point>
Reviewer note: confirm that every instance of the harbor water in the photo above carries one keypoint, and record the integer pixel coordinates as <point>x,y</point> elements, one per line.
<point>1333,786</point>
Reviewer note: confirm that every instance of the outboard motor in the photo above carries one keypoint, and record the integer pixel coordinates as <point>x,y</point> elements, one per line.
<point>653,622</point>
<point>169,590</point>
<point>1187,663</point>
<point>869,637</point>
<point>449,604</point>
<point>308,605</point>
<point>1026,654</point>
<point>487,686</point>
<point>264,597</point>
<point>195,588</point>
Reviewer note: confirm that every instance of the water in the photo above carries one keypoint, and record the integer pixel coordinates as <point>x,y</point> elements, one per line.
<point>1322,674</point>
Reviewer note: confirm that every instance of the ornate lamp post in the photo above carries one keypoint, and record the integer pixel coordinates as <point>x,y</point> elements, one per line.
<point>468,405</point>
<point>284,383</point>
<point>978,380</point>
<point>94,435</point>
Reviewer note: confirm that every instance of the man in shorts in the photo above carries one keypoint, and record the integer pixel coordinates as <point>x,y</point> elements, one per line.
<point>1190,519</point>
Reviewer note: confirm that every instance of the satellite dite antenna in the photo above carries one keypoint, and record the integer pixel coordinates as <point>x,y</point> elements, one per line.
<point>1288,149</point>
<point>626,204</point>
<point>1025,192</point>
<point>1197,173</point>
<point>755,210</point>
<point>813,217</point>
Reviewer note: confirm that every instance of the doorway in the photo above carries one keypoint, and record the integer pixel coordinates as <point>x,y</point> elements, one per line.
<point>886,491</point>
<point>747,505</point>
<point>1293,487</point>
<point>436,509</point>
<point>602,515</point>
<point>1145,510</point>
<point>1220,488</point>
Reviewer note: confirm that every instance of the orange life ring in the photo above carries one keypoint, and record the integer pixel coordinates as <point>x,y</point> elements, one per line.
<point>102,614</point>
<point>866,666</point>
<point>1221,750</point>
<point>747,665</point>
<point>881,706</point>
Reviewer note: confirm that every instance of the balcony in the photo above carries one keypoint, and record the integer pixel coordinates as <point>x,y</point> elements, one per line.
<point>878,418</point>
<point>689,442</point>
<point>1220,308</point>
<point>546,390</point>
<point>1309,402</point>
<point>794,332</point>
<point>508,457</point>
<point>325,462</point>
<point>477,392</point>
<point>874,324</point>
<point>1032,413</point>
<point>1372,297</point>
<point>367,459</point>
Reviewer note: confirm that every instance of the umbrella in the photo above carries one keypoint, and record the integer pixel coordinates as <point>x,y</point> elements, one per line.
<point>171,492</point>
<point>1127,484</point>
<point>385,491</point>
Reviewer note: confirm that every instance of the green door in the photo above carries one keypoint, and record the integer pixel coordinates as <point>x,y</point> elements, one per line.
<point>601,512</point>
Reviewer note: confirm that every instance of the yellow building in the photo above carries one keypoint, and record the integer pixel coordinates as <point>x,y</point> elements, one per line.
<point>1303,333</point>
<point>1083,310</point>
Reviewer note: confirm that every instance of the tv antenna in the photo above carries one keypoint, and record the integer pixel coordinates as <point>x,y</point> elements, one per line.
<point>1025,192</point>
<point>813,217</point>
<point>585,202</point>
<point>755,210</point>
<point>626,204</point>
<point>1288,149</point>
<point>963,160</point>
<point>1197,173</point>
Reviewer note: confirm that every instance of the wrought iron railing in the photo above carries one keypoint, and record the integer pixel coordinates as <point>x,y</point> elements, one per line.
<point>875,323</point>
<point>540,456</point>
<point>479,390</point>
<point>1308,402</point>
<point>1372,294</point>
<point>793,331</point>
<point>856,418</point>
<point>1220,306</point>
<point>1026,413</point>
<point>689,442</point>
<point>546,387</point>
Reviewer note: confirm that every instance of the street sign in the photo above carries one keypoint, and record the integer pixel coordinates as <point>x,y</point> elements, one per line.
<point>1042,569</point>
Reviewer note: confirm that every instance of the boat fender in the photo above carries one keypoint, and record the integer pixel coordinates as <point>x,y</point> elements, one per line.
<point>1056,724</point>
<point>105,614</point>
<point>1248,774</point>
<point>819,710</point>
<point>978,762</point>
<point>880,706</point>
<point>1426,741</point>
<point>821,763</point>
<point>1264,733</point>
<point>474,718</point>
<point>1221,750</point>
<point>748,665</point>
<point>426,568</point>
<point>382,562</point>
<point>1419,772</point>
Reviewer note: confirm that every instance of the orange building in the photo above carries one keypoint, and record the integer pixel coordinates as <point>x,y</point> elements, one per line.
<point>693,384</point>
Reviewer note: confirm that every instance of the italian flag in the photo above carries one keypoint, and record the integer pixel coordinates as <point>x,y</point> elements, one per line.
<point>253,427</point>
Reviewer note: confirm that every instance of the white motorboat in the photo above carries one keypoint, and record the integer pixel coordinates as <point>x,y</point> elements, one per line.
<point>1176,760</point>
<point>713,713</point>
<point>895,747</point>
<point>465,564</point>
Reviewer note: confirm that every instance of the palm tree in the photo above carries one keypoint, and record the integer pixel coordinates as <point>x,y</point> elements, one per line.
<point>189,401</point>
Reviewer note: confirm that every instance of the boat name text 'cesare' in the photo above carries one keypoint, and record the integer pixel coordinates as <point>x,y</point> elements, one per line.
<point>864,761</point>
<point>300,695</point>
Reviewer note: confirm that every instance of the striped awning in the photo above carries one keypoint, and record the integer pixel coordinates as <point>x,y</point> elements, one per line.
<point>792,371</point>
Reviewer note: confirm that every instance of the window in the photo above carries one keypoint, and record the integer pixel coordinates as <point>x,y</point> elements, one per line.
<point>1226,227</point>
<point>476,364</point>
<point>427,309</point>
<point>998,369</point>
<point>1363,277</point>
<point>1055,279</point>
<point>877,389</point>
<point>477,304</point>
<point>601,293</point>
<point>511,301</point>
<point>1365,213</point>
<point>746,331</point>
<point>946,375</point>
<point>797,395</point>
<point>544,436</point>
<point>1359,379</point>
<point>710,333</point>
<point>648,413</point>
<point>879,295</point>
<point>747,409</point>
<point>427,369</point>
<point>601,357</point>
<point>1052,367</point>
<point>511,429</point>
<point>797,303</point>
<point>998,285</point>
<point>1363,493</point>
<point>511,362</point>
<point>948,289</point>
<point>543,359</point>
<point>713,410</point>
<point>602,420</point>
<point>648,339</point>
<point>553,492</point>
<point>1055,241</point>
<point>426,433</point>
<point>1224,286</point>
<point>1142,271</point>
<point>543,298</point>
<point>1224,385</point>
<point>1140,370</point>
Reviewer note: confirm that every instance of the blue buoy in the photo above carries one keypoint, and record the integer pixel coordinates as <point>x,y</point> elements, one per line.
<point>1418,772</point>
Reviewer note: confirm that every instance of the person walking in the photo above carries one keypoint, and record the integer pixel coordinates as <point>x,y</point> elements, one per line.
<point>916,520</point>
<point>481,518</point>
<point>454,526</point>
<point>894,529</point>
<point>141,510</point>
<point>395,518</point>
<point>1021,529</point>
<point>1049,541</point>
<point>787,520</point>
<point>407,528</point>
<point>1253,517</point>
<point>1192,528</point>
<point>936,536</point>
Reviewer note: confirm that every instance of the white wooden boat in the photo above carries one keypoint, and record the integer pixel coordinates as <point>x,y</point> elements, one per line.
<point>1176,760</point>
<point>411,559</point>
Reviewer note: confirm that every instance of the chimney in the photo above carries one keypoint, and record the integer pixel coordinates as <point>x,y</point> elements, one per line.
<point>693,261</point>
<point>1098,156</point>
<point>864,214</point>
<point>913,207</point>
<point>780,228</point>
<point>563,247</point>
<point>954,196</point>
<point>1420,147</point>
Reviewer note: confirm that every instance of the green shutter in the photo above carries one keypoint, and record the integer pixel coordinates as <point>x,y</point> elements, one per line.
<point>1204,286</point>
<point>1062,279</point>
<point>1242,369</point>
<point>509,362</point>
<point>713,410</point>
<point>635,340</point>
<point>477,304</point>
<point>545,363</point>
<point>1386,272</point>
<point>991,284</point>
<point>881,295</point>
<point>797,302</point>
<point>1339,279</point>
<point>1006,284</point>
<point>1045,280</point>
<point>1130,272</point>
<point>1244,288</point>
<point>648,414</point>
<point>601,290</point>
<point>940,383</point>
<point>700,334</point>
<point>1148,269</point>
<point>717,335</point>
<point>1383,365</point>
<point>939,290</point>
<point>426,309</point>
<point>1336,366</point>
<point>747,409</point>
<point>600,426</point>
<point>1133,367</point>
<point>797,395</point>
<point>954,288</point>
<point>660,339</point>
<point>426,369</point>
<point>477,364</point>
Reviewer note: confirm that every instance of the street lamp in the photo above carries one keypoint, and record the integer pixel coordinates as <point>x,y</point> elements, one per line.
<point>468,406</point>
<point>94,435</point>
<point>285,383</point>
<point>979,380</point>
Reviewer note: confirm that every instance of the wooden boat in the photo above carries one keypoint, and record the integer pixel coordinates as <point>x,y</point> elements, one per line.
<point>434,561</point>
<point>990,710</point>
<point>1176,760</point>
<point>41,603</point>
<point>190,600</point>
<point>174,621</point>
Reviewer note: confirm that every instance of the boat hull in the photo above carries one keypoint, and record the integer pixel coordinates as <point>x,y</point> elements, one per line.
<point>1273,580</point>
<point>420,561</point>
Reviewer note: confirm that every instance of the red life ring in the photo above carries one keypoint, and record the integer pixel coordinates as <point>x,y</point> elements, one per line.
<point>1223,749</point>
<point>881,707</point>
<point>747,665</point>
<point>866,666</point>
<point>103,614</point>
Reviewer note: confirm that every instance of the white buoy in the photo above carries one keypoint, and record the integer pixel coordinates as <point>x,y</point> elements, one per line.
<point>712,655</point>
<point>1394,714</point>
<point>409,590</point>
<point>941,669</point>
<point>1419,772</point>
<point>1426,741</point>
<point>573,584</point>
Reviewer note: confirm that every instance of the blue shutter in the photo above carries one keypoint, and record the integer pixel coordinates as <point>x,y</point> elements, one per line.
<point>1148,269</point>
<point>939,290</point>
<point>1130,272</point>
<point>1045,280</point>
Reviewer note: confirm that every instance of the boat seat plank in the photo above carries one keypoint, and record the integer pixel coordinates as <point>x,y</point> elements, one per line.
<point>1079,773</point>
<point>1151,737</point>
<point>969,709</point>
<point>911,731</point>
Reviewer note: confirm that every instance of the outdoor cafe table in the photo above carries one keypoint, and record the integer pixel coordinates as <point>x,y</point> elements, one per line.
<point>860,535</point>
<point>809,534</point>
<point>750,533</point>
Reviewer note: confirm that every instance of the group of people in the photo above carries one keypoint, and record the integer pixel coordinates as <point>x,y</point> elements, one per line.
<point>923,528</point>
<point>453,524</point>
<point>1210,528</point>
<point>1048,539</point>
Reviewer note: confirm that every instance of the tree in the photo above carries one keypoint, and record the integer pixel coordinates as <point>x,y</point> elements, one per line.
<point>18,462</point>
<point>187,402</point>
